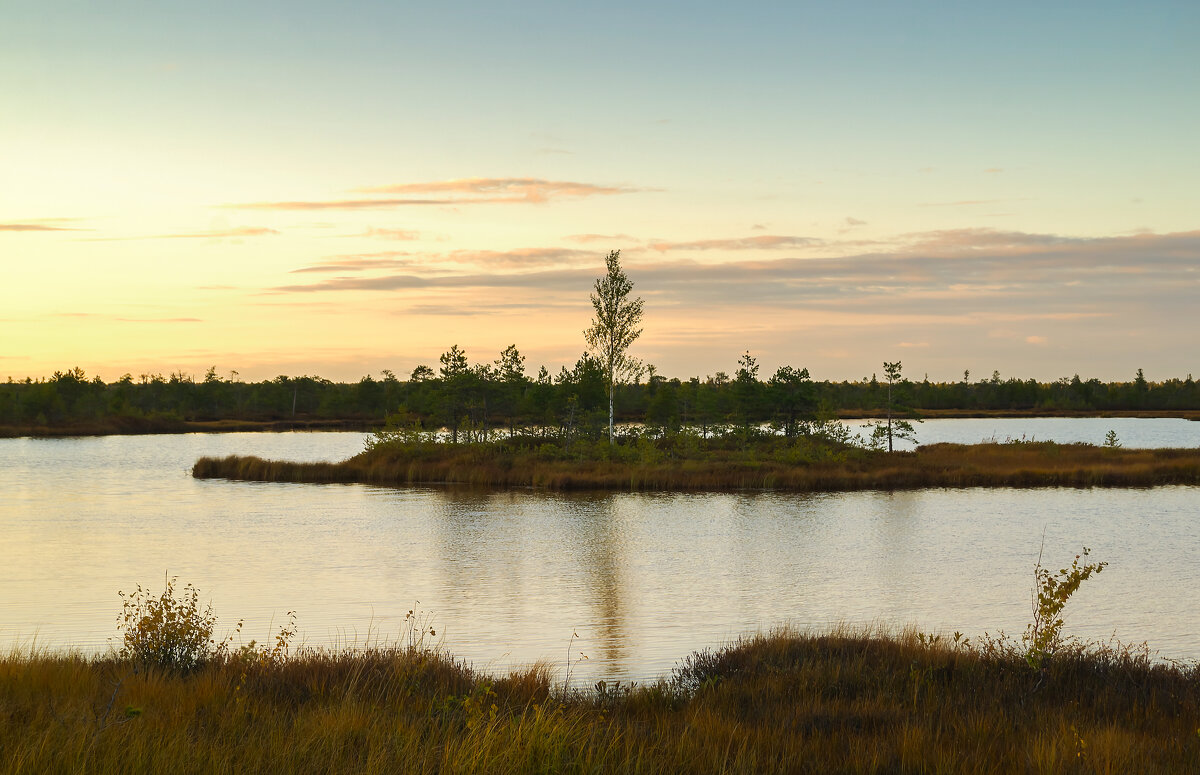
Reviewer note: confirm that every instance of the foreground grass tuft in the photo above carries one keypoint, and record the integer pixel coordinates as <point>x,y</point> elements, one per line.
<point>844,701</point>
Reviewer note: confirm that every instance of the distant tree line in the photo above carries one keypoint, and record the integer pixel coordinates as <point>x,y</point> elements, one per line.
<point>476,400</point>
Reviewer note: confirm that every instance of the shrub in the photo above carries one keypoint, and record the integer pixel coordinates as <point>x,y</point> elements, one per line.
<point>1051,591</point>
<point>168,631</point>
<point>400,430</point>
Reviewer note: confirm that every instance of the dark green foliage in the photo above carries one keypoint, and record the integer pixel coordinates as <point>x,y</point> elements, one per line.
<point>476,400</point>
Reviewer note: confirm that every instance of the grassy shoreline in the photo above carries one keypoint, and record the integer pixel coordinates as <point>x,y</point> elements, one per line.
<point>842,701</point>
<point>777,465</point>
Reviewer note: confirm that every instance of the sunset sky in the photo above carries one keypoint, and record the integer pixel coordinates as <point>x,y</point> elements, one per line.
<point>337,189</point>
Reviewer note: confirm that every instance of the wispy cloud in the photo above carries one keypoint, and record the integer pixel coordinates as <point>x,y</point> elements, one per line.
<point>362,262</point>
<point>237,233</point>
<point>969,202</point>
<point>425,263</point>
<point>342,204</point>
<point>392,234</point>
<point>462,191</point>
<point>961,276</point>
<point>158,320</point>
<point>851,223</point>
<point>120,319</point>
<point>974,241</point>
<point>393,282</point>
<point>502,189</point>
<point>760,242</point>
<point>480,307</point>
<point>522,258</point>
<point>35,226</point>
<point>588,238</point>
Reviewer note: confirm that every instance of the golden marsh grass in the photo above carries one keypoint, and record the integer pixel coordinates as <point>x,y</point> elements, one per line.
<point>841,701</point>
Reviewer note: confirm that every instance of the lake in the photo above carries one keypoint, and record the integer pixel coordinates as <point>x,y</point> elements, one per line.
<point>509,577</point>
<point>1135,432</point>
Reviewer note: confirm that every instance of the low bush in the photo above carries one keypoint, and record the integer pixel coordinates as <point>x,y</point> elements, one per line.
<point>169,631</point>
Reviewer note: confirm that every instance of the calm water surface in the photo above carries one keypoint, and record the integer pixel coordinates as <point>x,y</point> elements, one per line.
<point>508,577</point>
<point>1134,432</point>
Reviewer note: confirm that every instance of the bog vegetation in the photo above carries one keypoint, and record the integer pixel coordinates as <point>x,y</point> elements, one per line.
<point>686,461</point>
<point>172,699</point>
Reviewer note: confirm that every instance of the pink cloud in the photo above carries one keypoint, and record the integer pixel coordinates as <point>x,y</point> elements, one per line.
<point>340,204</point>
<point>502,189</point>
<point>462,191</point>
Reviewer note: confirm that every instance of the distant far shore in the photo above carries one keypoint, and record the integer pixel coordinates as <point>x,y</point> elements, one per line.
<point>129,426</point>
<point>125,426</point>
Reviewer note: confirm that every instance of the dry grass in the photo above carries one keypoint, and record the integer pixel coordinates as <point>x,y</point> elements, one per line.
<point>772,466</point>
<point>787,702</point>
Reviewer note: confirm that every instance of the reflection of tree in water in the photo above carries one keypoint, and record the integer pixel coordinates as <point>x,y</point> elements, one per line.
<point>596,530</point>
<point>502,546</point>
<point>896,515</point>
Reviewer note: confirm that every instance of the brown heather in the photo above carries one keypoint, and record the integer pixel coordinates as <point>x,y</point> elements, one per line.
<point>847,701</point>
<point>776,464</point>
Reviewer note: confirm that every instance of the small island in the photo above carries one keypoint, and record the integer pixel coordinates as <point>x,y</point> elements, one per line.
<point>687,462</point>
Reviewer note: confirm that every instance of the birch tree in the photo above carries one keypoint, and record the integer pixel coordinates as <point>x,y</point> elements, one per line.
<point>614,328</point>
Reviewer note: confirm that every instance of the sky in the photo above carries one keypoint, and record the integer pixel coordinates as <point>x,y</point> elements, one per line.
<point>337,189</point>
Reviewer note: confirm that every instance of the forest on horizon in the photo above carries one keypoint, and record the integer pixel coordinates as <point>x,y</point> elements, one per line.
<point>501,394</point>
